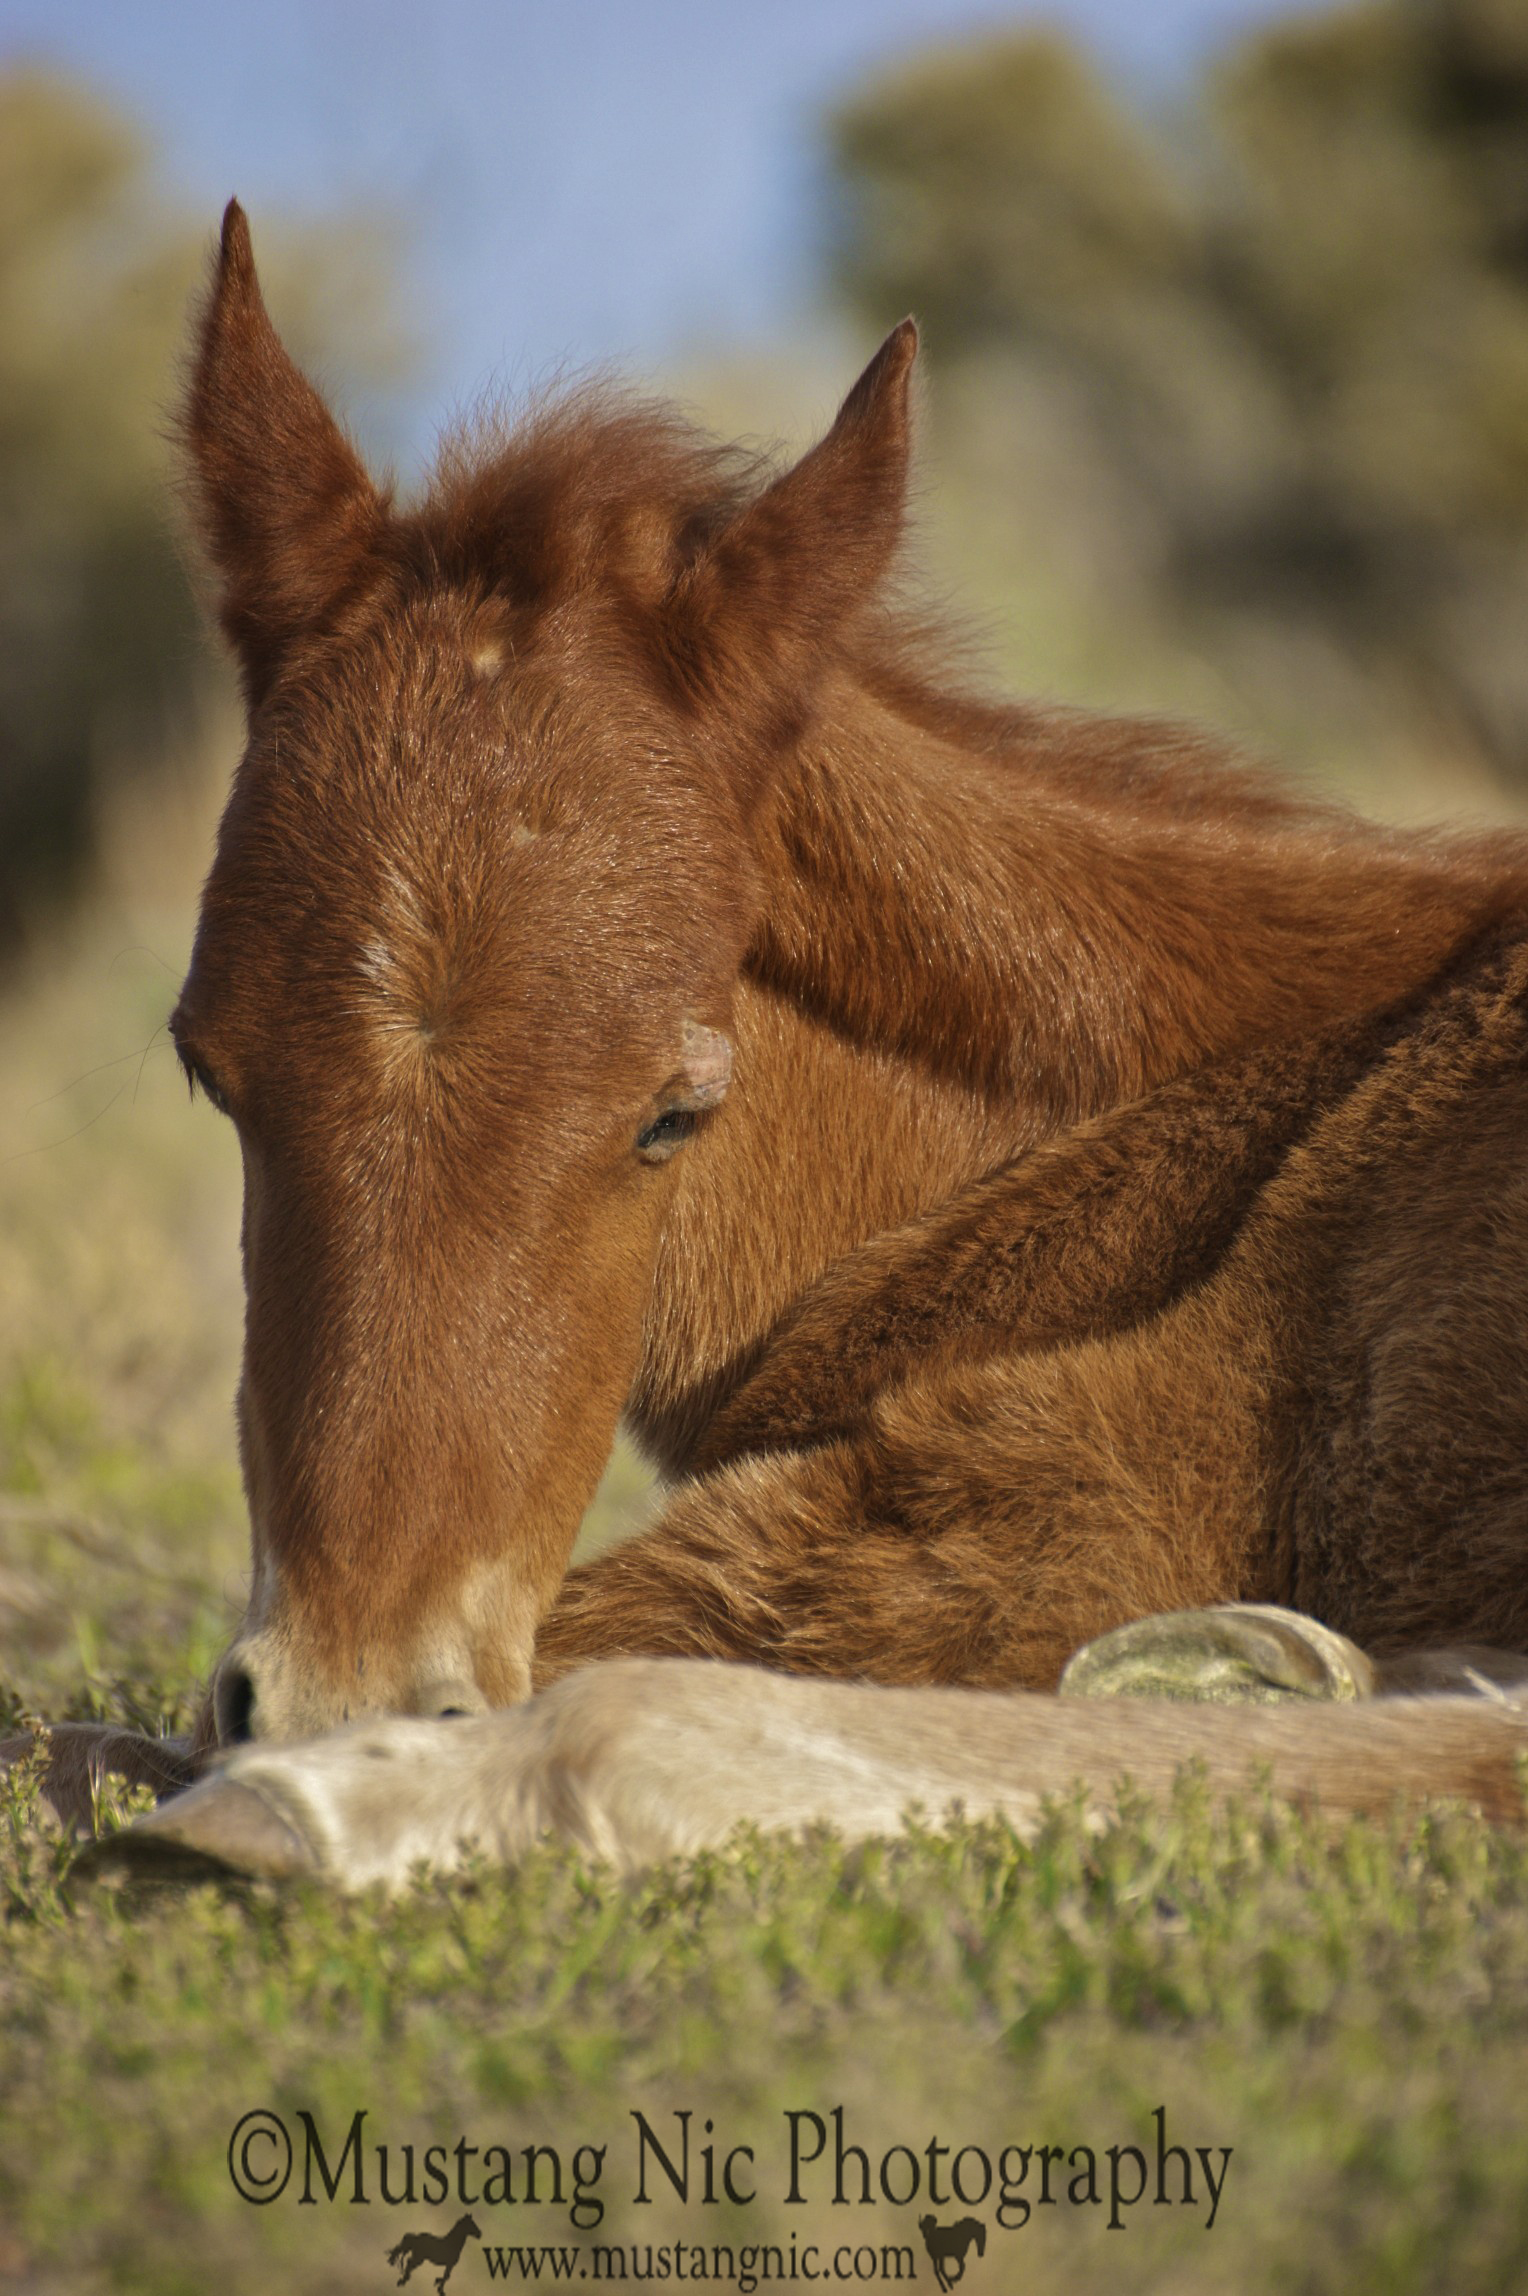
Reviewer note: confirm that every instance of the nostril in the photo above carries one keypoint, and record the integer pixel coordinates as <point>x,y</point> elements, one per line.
<point>451,1700</point>
<point>235,1706</point>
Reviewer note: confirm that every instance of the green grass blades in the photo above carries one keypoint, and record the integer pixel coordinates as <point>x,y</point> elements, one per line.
<point>1347,2016</point>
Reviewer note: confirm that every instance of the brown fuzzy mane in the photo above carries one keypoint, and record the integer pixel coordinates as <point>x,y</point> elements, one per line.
<point>594,487</point>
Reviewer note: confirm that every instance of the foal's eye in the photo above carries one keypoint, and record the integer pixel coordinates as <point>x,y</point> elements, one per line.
<point>202,1080</point>
<point>656,1142</point>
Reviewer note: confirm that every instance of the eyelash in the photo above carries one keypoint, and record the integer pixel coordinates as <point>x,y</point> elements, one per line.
<point>656,1142</point>
<point>199,1080</point>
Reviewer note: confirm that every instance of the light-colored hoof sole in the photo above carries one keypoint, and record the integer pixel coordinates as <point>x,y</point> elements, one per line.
<point>1242,1654</point>
<point>215,1830</point>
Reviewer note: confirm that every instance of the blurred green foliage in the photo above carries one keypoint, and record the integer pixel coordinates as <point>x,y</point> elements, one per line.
<point>100,643</point>
<point>1285,330</point>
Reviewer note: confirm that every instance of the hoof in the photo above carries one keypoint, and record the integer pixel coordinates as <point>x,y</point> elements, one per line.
<point>1244,1654</point>
<point>216,1830</point>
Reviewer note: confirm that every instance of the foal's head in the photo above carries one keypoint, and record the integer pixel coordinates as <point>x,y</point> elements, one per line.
<point>465,964</point>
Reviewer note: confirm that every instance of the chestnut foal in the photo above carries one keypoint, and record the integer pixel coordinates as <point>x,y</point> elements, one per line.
<point>1017,1174</point>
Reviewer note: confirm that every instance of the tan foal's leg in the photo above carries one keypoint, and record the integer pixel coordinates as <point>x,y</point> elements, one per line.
<point>644,1759</point>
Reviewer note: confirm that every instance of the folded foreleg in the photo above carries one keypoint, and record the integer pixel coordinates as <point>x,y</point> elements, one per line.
<point>1088,1235</point>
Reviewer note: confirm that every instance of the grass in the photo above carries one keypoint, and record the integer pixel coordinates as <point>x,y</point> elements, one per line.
<point>1349,2017</point>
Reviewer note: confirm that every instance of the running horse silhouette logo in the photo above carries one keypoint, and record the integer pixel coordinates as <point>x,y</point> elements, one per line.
<point>950,2244</point>
<point>428,2248</point>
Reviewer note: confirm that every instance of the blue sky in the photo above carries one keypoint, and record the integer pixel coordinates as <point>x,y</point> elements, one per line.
<point>573,180</point>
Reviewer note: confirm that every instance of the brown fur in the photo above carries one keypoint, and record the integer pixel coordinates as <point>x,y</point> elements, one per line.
<point>1117,1204</point>
<point>80,1756</point>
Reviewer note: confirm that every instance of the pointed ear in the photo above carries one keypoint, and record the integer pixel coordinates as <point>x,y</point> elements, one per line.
<point>287,512</point>
<point>757,613</point>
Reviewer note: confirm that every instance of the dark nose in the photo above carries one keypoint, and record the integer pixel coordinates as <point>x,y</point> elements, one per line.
<point>233,1704</point>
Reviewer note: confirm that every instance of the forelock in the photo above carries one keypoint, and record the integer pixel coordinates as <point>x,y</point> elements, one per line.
<point>595,487</point>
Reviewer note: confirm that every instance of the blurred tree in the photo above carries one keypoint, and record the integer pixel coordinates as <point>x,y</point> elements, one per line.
<point>1292,324</point>
<point>99,638</point>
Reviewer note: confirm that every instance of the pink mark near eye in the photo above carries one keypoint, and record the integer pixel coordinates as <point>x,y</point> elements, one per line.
<point>705,1063</point>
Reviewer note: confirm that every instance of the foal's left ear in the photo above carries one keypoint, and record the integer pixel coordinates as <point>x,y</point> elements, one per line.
<point>288,513</point>
<point>755,616</point>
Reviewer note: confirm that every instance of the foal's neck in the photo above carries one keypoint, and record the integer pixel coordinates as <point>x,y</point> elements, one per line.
<point>1061,911</point>
<point>981,929</point>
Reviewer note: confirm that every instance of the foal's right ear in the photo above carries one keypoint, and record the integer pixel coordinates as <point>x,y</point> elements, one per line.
<point>287,512</point>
